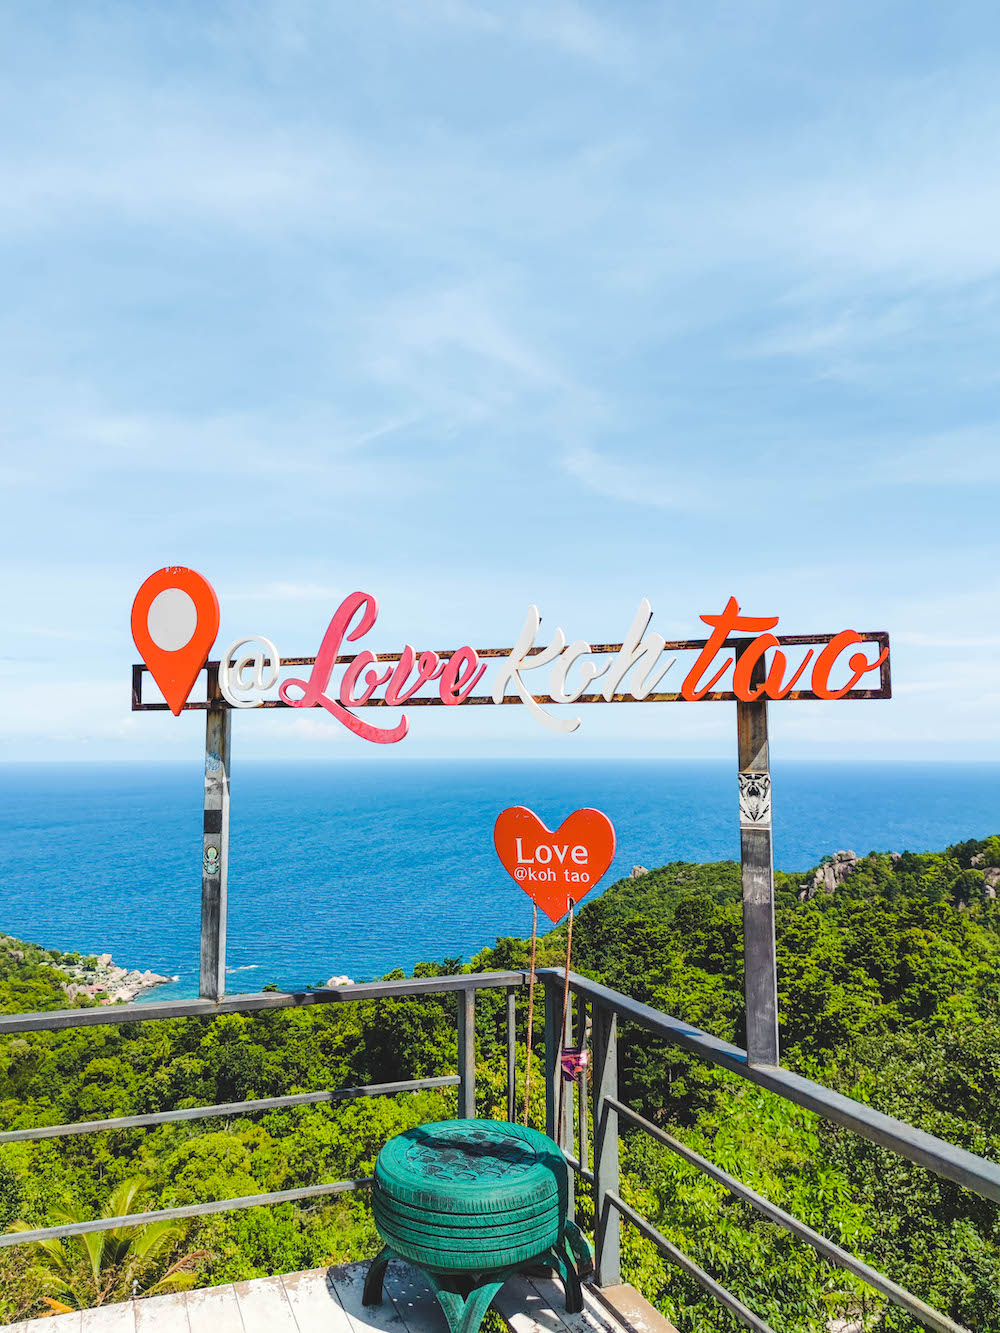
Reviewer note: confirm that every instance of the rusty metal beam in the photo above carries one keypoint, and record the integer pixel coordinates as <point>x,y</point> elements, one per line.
<point>879,637</point>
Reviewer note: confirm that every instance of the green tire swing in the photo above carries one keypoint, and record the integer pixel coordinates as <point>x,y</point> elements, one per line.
<point>471,1202</point>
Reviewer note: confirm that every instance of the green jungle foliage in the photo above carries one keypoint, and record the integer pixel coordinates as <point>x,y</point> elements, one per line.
<point>889,992</point>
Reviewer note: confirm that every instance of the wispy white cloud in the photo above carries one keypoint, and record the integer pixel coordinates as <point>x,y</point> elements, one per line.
<point>965,458</point>
<point>706,481</point>
<point>282,31</point>
<point>827,334</point>
<point>957,640</point>
<point>649,486</point>
<point>282,591</point>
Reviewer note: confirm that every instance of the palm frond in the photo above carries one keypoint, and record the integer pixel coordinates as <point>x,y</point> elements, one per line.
<point>178,1282</point>
<point>155,1237</point>
<point>57,1307</point>
<point>94,1245</point>
<point>183,1262</point>
<point>122,1197</point>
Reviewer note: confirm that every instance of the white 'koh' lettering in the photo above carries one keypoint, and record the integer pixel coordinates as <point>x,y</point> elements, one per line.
<point>635,652</point>
<point>518,661</point>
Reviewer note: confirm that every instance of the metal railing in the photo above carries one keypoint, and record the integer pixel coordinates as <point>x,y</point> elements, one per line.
<point>606,1007</point>
<point>464,1079</point>
<point>590,1122</point>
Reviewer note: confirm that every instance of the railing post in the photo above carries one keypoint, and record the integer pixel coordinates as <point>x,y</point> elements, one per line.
<point>551,1058</point>
<point>467,1054</point>
<point>760,970</point>
<point>215,847</point>
<point>511,1053</point>
<point>567,1129</point>
<point>607,1223</point>
<point>562,1133</point>
<point>583,1083</point>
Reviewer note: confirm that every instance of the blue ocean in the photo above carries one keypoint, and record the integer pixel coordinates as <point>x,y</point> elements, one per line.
<point>357,869</point>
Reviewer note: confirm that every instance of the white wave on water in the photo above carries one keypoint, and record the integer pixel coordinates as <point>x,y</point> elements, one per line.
<point>247,967</point>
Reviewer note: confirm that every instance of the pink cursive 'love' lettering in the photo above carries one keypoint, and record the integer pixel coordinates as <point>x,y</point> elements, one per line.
<point>459,674</point>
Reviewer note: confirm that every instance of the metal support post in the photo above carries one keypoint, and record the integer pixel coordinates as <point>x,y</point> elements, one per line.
<point>760,971</point>
<point>607,1222</point>
<point>511,1053</point>
<point>562,1133</point>
<point>582,1040</point>
<point>553,1000</point>
<point>467,1054</point>
<point>215,849</point>
<point>566,1096</point>
<point>553,1065</point>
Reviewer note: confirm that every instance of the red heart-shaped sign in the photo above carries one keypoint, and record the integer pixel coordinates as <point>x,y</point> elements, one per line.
<point>552,868</point>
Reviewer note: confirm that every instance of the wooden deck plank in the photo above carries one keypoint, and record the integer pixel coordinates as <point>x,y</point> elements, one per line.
<point>595,1317</point>
<point>161,1314</point>
<point>348,1282</point>
<point>213,1310</point>
<point>315,1303</point>
<point>60,1323</point>
<point>329,1301</point>
<point>525,1310</point>
<point>413,1297</point>
<point>632,1308</point>
<point>537,1305</point>
<point>619,1309</point>
<point>264,1306</point>
<point>109,1319</point>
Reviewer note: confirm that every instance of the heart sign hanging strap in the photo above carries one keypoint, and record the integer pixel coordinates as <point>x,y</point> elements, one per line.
<point>555,870</point>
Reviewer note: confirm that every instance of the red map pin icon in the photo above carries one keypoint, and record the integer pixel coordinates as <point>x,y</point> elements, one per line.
<point>175,618</point>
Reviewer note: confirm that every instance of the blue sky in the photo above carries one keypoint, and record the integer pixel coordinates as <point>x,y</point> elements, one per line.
<point>478,305</point>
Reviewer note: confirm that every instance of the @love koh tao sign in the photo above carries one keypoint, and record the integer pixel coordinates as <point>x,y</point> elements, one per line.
<point>554,868</point>
<point>742,659</point>
<point>176,615</point>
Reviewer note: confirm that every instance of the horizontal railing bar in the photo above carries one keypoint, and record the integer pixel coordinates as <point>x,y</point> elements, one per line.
<point>581,1170</point>
<point>225,1108</point>
<point>58,1020</point>
<point>188,1210</point>
<point>724,1297</point>
<point>916,1145</point>
<point>933,1319</point>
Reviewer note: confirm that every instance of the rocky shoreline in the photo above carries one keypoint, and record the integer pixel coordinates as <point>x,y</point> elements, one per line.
<point>117,983</point>
<point>96,976</point>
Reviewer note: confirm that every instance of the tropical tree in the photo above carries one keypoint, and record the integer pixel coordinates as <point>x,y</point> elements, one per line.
<point>101,1267</point>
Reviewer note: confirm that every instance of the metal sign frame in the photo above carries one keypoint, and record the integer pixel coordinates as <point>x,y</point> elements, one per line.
<point>215,700</point>
<point>756,851</point>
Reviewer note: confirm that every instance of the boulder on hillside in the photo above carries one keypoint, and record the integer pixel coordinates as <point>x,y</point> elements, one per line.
<point>828,876</point>
<point>637,871</point>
